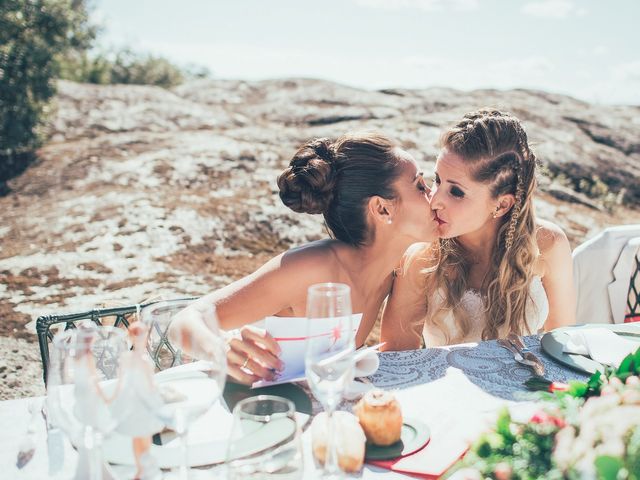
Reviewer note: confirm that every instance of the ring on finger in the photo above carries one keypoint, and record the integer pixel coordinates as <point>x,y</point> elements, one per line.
<point>246,361</point>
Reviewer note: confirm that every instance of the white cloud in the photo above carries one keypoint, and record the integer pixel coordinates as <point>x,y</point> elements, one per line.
<point>552,9</point>
<point>427,5</point>
<point>621,85</point>
<point>628,72</point>
<point>600,50</point>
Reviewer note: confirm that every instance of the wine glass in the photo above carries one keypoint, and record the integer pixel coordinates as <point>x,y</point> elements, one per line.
<point>186,346</point>
<point>82,385</point>
<point>265,440</point>
<point>329,359</point>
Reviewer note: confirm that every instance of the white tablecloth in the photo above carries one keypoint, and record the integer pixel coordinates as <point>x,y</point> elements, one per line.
<point>454,388</point>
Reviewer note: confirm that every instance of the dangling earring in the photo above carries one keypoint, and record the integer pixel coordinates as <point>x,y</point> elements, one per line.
<point>495,212</point>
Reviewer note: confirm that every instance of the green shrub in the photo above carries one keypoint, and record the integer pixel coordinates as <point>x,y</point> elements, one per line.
<point>125,66</point>
<point>32,34</point>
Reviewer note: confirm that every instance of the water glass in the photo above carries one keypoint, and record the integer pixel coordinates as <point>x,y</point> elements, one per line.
<point>329,358</point>
<point>83,388</point>
<point>191,357</point>
<point>265,440</point>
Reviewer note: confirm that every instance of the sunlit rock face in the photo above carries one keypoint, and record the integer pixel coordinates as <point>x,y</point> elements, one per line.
<point>143,191</point>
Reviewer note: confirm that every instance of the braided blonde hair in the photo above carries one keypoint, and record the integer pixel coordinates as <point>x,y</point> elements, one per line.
<point>494,145</point>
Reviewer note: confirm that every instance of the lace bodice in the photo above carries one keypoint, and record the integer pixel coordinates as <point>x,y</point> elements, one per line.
<point>537,310</point>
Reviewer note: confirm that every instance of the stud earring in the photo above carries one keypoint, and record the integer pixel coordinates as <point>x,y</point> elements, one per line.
<point>495,213</point>
<point>389,221</point>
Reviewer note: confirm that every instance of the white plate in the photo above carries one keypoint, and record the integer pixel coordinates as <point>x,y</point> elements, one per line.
<point>207,442</point>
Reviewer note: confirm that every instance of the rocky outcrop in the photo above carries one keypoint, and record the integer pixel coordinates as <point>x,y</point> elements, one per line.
<point>144,192</point>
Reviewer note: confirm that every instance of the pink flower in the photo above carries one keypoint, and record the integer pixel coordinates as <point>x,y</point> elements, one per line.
<point>544,418</point>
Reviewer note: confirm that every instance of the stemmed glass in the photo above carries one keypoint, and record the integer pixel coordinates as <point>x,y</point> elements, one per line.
<point>82,385</point>
<point>329,359</point>
<point>191,356</point>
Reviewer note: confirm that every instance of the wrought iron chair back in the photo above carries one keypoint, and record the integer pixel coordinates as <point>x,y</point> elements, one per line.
<point>123,317</point>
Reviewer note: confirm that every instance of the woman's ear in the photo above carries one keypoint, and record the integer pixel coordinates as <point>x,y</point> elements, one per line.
<point>505,204</point>
<point>381,209</point>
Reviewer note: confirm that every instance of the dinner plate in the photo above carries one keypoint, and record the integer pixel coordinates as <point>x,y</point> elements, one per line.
<point>553,342</point>
<point>413,437</point>
<point>208,437</point>
<point>234,392</point>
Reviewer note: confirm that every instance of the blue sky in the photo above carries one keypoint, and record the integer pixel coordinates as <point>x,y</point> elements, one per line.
<point>589,49</point>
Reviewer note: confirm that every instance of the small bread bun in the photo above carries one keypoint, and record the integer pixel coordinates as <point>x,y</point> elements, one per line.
<point>347,434</point>
<point>380,417</point>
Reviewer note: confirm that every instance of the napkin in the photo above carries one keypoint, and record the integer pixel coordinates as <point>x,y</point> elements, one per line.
<point>366,364</point>
<point>600,344</point>
<point>291,334</point>
<point>456,410</point>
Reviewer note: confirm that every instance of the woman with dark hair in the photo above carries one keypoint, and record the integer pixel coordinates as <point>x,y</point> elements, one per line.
<point>375,204</point>
<point>496,269</point>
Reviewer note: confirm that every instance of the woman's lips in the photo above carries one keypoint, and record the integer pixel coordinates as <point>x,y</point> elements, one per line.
<point>439,220</point>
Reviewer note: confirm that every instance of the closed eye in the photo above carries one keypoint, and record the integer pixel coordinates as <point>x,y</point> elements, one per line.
<point>457,192</point>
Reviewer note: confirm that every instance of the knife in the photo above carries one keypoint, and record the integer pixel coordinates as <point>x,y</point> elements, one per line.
<point>537,365</point>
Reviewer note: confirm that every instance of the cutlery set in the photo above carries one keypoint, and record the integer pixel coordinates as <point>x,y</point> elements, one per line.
<point>522,354</point>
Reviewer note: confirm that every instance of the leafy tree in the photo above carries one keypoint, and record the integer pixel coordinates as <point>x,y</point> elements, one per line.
<point>33,33</point>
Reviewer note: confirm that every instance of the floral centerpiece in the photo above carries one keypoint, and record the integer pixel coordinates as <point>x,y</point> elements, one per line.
<point>584,430</point>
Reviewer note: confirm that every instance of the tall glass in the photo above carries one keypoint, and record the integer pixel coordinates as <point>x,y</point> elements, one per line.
<point>82,387</point>
<point>192,359</point>
<point>329,360</point>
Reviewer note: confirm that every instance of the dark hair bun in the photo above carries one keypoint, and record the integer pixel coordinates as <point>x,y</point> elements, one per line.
<point>307,185</point>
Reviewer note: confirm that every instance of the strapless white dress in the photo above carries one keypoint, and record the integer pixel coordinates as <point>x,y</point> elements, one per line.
<point>536,312</point>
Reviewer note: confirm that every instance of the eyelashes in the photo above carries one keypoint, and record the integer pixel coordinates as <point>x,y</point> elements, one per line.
<point>454,191</point>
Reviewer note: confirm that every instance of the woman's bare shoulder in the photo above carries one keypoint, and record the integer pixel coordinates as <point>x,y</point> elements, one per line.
<point>316,258</point>
<point>549,236</point>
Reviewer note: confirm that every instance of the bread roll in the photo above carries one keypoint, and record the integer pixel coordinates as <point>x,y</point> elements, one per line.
<point>347,435</point>
<point>380,417</point>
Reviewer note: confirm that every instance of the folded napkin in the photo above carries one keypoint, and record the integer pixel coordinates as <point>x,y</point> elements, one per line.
<point>291,334</point>
<point>366,363</point>
<point>456,410</point>
<point>600,344</point>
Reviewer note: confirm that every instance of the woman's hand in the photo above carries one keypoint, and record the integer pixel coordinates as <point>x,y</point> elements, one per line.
<point>252,356</point>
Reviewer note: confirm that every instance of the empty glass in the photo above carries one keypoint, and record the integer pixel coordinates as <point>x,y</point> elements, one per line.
<point>329,359</point>
<point>82,387</point>
<point>192,360</point>
<point>265,440</point>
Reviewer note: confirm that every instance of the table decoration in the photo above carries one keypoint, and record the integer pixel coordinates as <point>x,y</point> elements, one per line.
<point>587,429</point>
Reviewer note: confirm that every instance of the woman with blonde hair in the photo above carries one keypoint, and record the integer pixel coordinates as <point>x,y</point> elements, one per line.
<point>496,269</point>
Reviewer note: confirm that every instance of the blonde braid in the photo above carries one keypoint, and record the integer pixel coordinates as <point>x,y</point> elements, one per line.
<point>517,207</point>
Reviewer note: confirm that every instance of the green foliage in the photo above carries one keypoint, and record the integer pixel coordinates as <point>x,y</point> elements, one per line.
<point>127,67</point>
<point>608,467</point>
<point>32,34</point>
<point>632,465</point>
<point>525,448</point>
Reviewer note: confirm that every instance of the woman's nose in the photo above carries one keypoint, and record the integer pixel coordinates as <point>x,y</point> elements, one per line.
<point>433,196</point>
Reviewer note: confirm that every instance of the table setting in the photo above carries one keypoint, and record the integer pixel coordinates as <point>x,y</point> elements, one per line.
<point>134,405</point>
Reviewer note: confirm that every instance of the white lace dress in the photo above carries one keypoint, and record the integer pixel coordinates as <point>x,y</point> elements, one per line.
<point>537,310</point>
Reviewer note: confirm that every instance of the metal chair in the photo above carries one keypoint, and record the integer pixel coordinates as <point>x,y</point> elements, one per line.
<point>122,316</point>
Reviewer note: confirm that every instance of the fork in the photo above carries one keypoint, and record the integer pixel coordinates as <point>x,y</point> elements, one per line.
<point>504,343</point>
<point>527,354</point>
<point>28,444</point>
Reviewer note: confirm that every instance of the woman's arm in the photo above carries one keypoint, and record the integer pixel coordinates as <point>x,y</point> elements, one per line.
<point>557,277</point>
<point>279,284</point>
<point>405,310</point>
